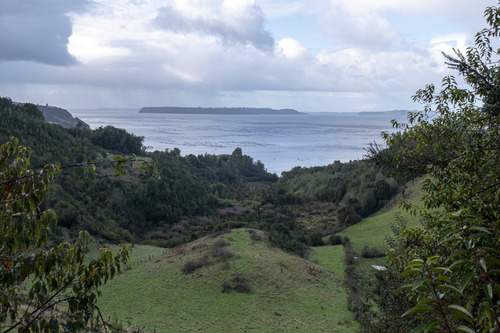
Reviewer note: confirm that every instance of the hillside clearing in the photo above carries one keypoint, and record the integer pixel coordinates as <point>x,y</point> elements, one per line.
<point>286,292</point>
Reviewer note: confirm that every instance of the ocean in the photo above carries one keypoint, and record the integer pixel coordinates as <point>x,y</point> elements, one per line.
<point>281,142</point>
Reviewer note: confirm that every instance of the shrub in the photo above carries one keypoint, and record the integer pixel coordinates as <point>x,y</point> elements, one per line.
<point>222,253</point>
<point>220,229</point>
<point>372,253</point>
<point>239,283</point>
<point>254,236</point>
<point>219,252</point>
<point>226,287</point>
<point>335,240</point>
<point>316,239</point>
<point>349,258</point>
<point>191,266</point>
<point>221,242</point>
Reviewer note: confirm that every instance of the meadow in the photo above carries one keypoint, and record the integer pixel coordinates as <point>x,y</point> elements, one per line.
<point>285,292</point>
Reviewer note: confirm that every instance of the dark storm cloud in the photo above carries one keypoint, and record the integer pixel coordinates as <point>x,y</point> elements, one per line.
<point>38,31</point>
<point>246,27</point>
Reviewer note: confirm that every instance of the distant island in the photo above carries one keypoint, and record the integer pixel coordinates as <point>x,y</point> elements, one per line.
<point>235,111</point>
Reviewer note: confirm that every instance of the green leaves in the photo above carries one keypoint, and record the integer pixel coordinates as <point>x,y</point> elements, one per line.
<point>454,258</point>
<point>449,286</point>
<point>51,276</point>
<point>460,312</point>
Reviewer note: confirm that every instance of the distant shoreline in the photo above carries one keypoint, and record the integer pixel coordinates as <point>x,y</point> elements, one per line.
<point>384,113</point>
<point>231,111</point>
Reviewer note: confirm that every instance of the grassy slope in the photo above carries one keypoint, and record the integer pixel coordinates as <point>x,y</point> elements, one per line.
<point>287,292</point>
<point>330,258</point>
<point>372,230</point>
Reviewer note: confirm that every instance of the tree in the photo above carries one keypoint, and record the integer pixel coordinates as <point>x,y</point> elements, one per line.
<point>451,264</point>
<point>43,288</point>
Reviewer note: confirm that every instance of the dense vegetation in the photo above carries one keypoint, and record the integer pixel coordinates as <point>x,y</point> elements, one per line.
<point>38,280</point>
<point>180,198</point>
<point>450,265</point>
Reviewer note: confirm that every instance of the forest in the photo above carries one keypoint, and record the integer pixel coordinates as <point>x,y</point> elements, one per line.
<point>176,199</point>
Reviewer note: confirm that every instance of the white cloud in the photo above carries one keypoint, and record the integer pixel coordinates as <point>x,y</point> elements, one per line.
<point>460,8</point>
<point>327,54</point>
<point>369,29</point>
<point>290,48</point>
<point>286,8</point>
<point>446,43</point>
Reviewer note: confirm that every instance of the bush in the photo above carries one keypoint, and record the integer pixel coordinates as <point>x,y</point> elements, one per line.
<point>239,283</point>
<point>335,240</point>
<point>219,252</point>
<point>222,253</point>
<point>316,239</point>
<point>191,266</point>
<point>226,287</point>
<point>349,255</point>
<point>372,253</point>
<point>221,242</point>
<point>349,259</point>
<point>254,236</point>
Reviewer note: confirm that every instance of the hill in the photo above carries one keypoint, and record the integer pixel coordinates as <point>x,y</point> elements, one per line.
<point>60,116</point>
<point>242,283</point>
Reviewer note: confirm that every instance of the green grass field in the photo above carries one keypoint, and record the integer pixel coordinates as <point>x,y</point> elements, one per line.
<point>287,293</point>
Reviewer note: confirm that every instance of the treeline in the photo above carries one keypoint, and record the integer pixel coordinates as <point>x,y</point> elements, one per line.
<point>307,204</point>
<point>52,143</point>
<point>357,189</point>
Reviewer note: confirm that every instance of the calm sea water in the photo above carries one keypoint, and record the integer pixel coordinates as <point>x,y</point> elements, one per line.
<point>281,142</point>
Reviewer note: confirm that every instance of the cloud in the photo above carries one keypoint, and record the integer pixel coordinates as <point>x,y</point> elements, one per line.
<point>311,54</point>
<point>452,8</point>
<point>232,21</point>
<point>38,30</point>
<point>290,48</point>
<point>285,8</point>
<point>356,28</point>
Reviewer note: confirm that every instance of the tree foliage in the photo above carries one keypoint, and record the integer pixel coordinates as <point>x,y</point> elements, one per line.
<point>150,205</point>
<point>43,288</point>
<point>451,264</point>
<point>357,188</point>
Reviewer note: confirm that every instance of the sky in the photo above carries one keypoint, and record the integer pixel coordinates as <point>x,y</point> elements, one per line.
<point>308,55</point>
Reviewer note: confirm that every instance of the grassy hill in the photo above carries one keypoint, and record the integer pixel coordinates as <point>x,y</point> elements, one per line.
<point>372,231</point>
<point>284,293</point>
<point>266,289</point>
